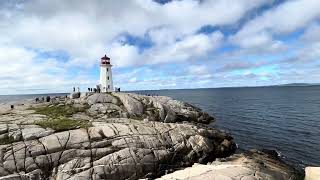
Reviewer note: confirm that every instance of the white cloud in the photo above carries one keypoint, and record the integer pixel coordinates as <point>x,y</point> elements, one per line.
<point>312,33</point>
<point>189,47</point>
<point>193,46</point>
<point>198,70</point>
<point>124,54</point>
<point>20,70</point>
<point>85,28</point>
<point>259,43</point>
<point>287,17</point>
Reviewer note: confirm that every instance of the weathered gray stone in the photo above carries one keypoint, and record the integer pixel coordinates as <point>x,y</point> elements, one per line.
<point>133,106</point>
<point>103,108</point>
<point>126,150</point>
<point>246,166</point>
<point>29,133</point>
<point>101,98</point>
<point>75,95</point>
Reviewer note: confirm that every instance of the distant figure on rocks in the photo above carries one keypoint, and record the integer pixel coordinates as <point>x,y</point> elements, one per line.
<point>91,90</point>
<point>48,98</point>
<point>95,90</point>
<point>37,99</point>
<point>78,89</point>
<point>88,89</point>
<point>74,89</point>
<point>12,107</point>
<point>42,99</point>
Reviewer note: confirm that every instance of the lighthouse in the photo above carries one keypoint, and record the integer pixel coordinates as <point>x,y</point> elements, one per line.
<point>106,84</point>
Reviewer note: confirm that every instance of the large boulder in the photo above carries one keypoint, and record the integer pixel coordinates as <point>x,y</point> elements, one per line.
<point>75,95</point>
<point>133,105</point>
<point>102,98</point>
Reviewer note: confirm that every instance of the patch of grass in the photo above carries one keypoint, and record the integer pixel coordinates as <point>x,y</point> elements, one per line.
<point>58,117</point>
<point>63,124</point>
<point>7,140</point>
<point>56,111</point>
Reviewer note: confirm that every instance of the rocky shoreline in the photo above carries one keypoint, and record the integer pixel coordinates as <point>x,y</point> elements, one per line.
<point>122,136</point>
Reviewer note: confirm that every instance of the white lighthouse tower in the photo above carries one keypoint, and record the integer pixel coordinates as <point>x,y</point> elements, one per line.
<point>106,83</point>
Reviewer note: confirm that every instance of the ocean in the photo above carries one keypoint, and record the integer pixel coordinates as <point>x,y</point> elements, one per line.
<point>285,119</point>
<point>25,97</point>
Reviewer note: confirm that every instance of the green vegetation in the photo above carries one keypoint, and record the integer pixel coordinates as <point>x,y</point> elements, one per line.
<point>58,117</point>
<point>56,111</point>
<point>6,140</point>
<point>63,124</point>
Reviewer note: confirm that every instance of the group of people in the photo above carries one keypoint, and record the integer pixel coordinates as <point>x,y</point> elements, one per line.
<point>96,90</point>
<point>74,89</point>
<point>43,99</point>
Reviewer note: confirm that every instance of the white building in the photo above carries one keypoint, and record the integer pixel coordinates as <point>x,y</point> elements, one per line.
<point>106,83</point>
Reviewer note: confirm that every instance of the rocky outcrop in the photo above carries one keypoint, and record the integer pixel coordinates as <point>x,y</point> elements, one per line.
<point>118,136</point>
<point>129,149</point>
<point>124,137</point>
<point>252,165</point>
<point>152,108</point>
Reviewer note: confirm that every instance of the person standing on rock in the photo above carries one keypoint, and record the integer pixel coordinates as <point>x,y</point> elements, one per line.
<point>74,89</point>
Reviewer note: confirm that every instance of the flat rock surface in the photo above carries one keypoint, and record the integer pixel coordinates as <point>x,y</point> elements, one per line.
<point>252,165</point>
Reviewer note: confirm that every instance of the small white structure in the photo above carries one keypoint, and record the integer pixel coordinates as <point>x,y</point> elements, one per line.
<point>106,83</point>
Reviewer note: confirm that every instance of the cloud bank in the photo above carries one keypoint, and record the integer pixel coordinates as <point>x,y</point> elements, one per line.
<point>54,45</point>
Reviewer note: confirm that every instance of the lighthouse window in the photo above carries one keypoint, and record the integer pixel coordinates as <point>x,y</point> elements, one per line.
<point>108,77</point>
<point>107,69</point>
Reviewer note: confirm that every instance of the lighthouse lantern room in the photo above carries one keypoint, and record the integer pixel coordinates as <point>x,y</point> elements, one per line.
<point>106,84</point>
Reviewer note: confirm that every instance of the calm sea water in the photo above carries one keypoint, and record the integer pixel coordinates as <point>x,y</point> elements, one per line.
<point>286,119</point>
<point>18,98</point>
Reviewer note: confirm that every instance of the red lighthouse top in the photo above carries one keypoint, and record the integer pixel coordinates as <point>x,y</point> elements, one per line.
<point>105,60</point>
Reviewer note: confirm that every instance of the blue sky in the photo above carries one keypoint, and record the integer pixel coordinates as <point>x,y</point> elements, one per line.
<point>50,46</point>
